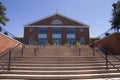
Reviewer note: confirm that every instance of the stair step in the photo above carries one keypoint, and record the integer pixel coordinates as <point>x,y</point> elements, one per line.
<point>59,68</point>
<point>60,72</point>
<point>57,65</point>
<point>76,76</point>
<point>67,62</point>
<point>61,59</point>
<point>49,62</point>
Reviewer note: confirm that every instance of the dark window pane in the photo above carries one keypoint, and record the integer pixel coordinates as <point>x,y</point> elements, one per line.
<point>56,30</point>
<point>71,41</point>
<point>70,30</point>
<point>42,30</point>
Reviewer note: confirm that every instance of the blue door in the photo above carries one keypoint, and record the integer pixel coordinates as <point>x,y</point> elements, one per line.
<point>31,41</point>
<point>82,40</point>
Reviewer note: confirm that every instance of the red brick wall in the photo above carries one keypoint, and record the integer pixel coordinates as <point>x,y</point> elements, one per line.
<point>28,34</point>
<point>77,34</point>
<point>111,42</point>
<point>34,34</point>
<point>6,42</point>
<point>49,35</point>
<point>64,37</point>
<point>66,21</point>
<point>84,34</point>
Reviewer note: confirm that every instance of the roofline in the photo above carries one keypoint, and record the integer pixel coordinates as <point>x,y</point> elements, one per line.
<point>53,15</point>
<point>73,19</point>
<point>40,19</point>
<point>56,26</point>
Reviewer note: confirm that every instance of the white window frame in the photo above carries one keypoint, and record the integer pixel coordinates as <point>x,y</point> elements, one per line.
<point>56,36</point>
<point>56,21</point>
<point>70,35</point>
<point>42,36</point>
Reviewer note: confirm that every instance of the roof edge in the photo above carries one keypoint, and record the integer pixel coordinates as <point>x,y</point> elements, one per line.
<point>53,15</point>
<point>54,26</point>
<point>40,19</point>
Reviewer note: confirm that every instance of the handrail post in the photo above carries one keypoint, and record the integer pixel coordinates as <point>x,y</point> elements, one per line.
<point>35,51</point>
<point>38,48</point>
<point>106,60</point>
<point>22,49</point>
<point>93,47</point>
<point>76,48</point>
<point>9,60</point>
<point>79,51</point>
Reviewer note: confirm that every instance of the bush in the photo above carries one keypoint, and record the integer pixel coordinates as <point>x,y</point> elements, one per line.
<point>35,43</point>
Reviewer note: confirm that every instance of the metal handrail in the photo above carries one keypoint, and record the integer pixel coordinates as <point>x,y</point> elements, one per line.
<point>106,58</point>
<point>5,53</point>
<point>6,32</point>
<point>8,62</point>
<point>109,52</point>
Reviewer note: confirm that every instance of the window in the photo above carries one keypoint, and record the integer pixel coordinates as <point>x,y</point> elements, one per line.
<point>56,21</point>
<point>81,30</point>
<point>42,41</point>
<point>56,30</point>
<point>42,30</point>
<point>70,35</point>
<point>70,30</point>
<point>71,41</point>
<point>42,36</point>
<point>56,35</point>
<point>31,30</point>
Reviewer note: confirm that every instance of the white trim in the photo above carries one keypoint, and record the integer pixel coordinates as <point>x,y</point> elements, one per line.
<point>42,35</point>
<point>56,21</point>
<point>39,19</point>
<point>58,26</point>
<point>69,36</point>
<point>56,35</point>
<point>53,15</point>
<point>9,37</point>
<point>73,20</point>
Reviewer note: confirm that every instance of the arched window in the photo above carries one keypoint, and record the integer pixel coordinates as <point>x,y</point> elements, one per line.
<point>56,21</point>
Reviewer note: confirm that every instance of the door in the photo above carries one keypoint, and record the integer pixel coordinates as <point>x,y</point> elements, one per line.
<point>31,41</point>
<point>82,40</point>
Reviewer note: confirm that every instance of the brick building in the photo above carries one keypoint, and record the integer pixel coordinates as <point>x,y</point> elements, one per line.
<point>56,28</point>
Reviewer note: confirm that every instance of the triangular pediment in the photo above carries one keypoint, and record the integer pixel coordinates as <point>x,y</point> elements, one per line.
<point>65,21</point>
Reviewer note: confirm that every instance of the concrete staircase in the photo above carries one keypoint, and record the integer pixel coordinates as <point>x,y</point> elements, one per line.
<point>60,63</point>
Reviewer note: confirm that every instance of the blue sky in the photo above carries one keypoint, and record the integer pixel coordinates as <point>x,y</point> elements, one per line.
<point>95,13</point>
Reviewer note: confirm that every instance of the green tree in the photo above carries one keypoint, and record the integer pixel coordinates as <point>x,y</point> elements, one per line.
<point>115,21</point>
<point>3,18</point>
